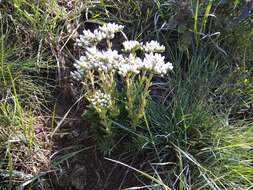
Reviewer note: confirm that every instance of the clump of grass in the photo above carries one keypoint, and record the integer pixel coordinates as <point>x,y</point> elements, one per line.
<point>191,144</point>
<point>24,144</point>
<point>25,147</point>
<point>233,161</point>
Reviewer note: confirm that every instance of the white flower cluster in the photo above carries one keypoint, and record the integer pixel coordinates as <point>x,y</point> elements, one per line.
<point>110,29</point>
<point>131,45</point>
<point>89,38</point>
<point>76,75</point>
<point>111,60</point>
<point>98,60</point>
<point>130,64</point>
<point>155,62</point>
<point>153,46</point>
<point>100,100</point>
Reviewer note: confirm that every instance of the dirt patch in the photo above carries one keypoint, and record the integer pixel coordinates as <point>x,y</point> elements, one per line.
<point>79,165</point>
<point>89,170</point>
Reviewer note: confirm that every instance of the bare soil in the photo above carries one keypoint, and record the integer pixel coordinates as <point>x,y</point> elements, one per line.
<point>86,167</point>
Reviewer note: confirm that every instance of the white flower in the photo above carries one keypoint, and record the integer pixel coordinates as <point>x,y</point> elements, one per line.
<point>82,64</point>
<point>153,46</point>
<point>86,39</point>
<point>155,62</point>
<point>124,69</point>
<point>110,29</point>
<point>100,100</point>
<point>105,61</point>
<point>75,75</point>
<point>151,59</point>
<point>131,45</point>
<point>89,38</point>
<point>163,68</point>
<point>130,64</point>
<point>99,35</point>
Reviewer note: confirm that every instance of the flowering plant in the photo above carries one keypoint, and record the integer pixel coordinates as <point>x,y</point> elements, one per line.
<point>101,71</point>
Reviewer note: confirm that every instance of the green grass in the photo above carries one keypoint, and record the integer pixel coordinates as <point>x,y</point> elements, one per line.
<point>25,90</point>
<point>20,146</point>
<point>209,149</point>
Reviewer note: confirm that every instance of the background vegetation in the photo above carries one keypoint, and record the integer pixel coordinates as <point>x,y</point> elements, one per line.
<point>197,133</point>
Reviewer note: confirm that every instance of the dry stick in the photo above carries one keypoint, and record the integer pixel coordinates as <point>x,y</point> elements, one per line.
<point>65,116</point>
